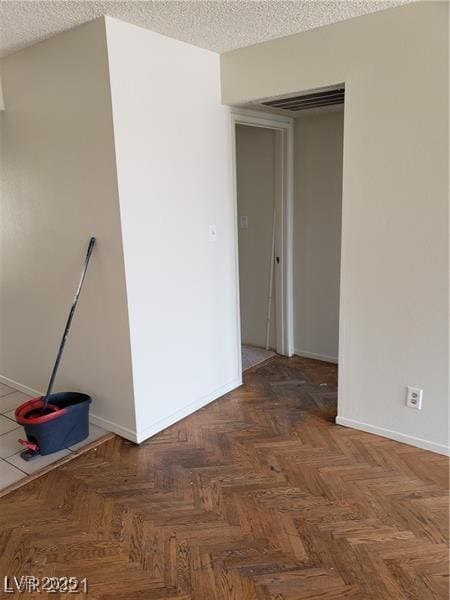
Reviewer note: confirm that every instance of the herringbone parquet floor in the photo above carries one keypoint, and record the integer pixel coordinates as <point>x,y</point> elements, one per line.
<point>257,496</point>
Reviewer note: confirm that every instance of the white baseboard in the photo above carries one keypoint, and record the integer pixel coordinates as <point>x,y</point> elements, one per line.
<point>124,432</point>
<point>156,427</point>
<point>103,423</point>
<point>187,410</point>
<point>20,387</point>
<point>315,356</point>
<point>395,435</point>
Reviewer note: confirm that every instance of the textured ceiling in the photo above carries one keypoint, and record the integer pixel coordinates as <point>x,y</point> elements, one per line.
<point>216,25</point>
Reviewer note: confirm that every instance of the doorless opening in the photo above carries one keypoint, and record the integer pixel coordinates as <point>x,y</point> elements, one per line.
<point>304,131</point>
<point>263,200</point>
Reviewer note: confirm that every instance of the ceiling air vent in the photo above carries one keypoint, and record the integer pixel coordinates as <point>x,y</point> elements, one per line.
<point>306,101</point>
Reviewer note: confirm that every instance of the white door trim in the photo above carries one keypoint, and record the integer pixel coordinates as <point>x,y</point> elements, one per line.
<point>284,272</point>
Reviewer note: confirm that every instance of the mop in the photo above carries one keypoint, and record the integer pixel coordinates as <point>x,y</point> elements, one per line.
<point>56,421</point>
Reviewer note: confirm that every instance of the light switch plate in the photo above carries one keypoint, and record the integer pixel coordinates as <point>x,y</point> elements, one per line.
<point>212,233</point>
<point>244,222</point>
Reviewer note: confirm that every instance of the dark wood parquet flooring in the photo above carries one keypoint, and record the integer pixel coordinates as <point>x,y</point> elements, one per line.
<point>257,496</point>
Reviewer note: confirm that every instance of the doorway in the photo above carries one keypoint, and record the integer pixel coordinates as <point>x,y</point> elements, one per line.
<point>263,207</point>
<point>288,204</point>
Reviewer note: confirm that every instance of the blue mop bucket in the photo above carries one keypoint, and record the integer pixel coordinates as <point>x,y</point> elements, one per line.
<point>65,421</point>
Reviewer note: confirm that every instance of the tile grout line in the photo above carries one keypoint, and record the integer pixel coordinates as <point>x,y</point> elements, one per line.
<point>18,451</point>
<point>13,420</point>
<point>11,392</point>
<point>13,466</point>
<point>73,454</point>
<point>7,460</point>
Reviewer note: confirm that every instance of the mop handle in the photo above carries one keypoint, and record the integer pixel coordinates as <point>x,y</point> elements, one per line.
<point>69,322</point>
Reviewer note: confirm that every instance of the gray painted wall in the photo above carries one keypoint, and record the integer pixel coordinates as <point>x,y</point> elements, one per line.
<point>59,187</point>
<point>394,299</point>
<point>318,143</point>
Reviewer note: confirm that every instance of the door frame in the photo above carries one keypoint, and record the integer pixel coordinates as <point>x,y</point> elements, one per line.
<point>285,203</point>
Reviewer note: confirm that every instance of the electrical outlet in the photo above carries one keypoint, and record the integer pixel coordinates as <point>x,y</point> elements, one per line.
<point>414,398</point>
<point>244,222</point>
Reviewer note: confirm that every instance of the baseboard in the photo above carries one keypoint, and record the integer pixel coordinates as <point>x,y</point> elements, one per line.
<point>156,427</point>
<point>124,432</point>
<point>395,435</point>
<point>94,419</point>
<point>187,410</point>
<point>315,356</point>
<point>20,387</point>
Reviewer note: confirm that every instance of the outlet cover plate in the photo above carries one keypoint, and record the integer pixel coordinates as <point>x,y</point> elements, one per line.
<point>414,398</point>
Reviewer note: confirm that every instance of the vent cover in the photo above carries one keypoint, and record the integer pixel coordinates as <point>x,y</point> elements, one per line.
<point>305,101</point>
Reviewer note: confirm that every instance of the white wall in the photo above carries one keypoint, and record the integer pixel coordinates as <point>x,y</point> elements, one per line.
<point>255,183</point>
<point>58,187</point>
<point>173,148</point>
<point>394,318</point>
<point>318,140</point>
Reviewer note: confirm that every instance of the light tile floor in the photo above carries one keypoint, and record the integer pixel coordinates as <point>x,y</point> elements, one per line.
<point>12,466</point>
<point>252,356</point>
